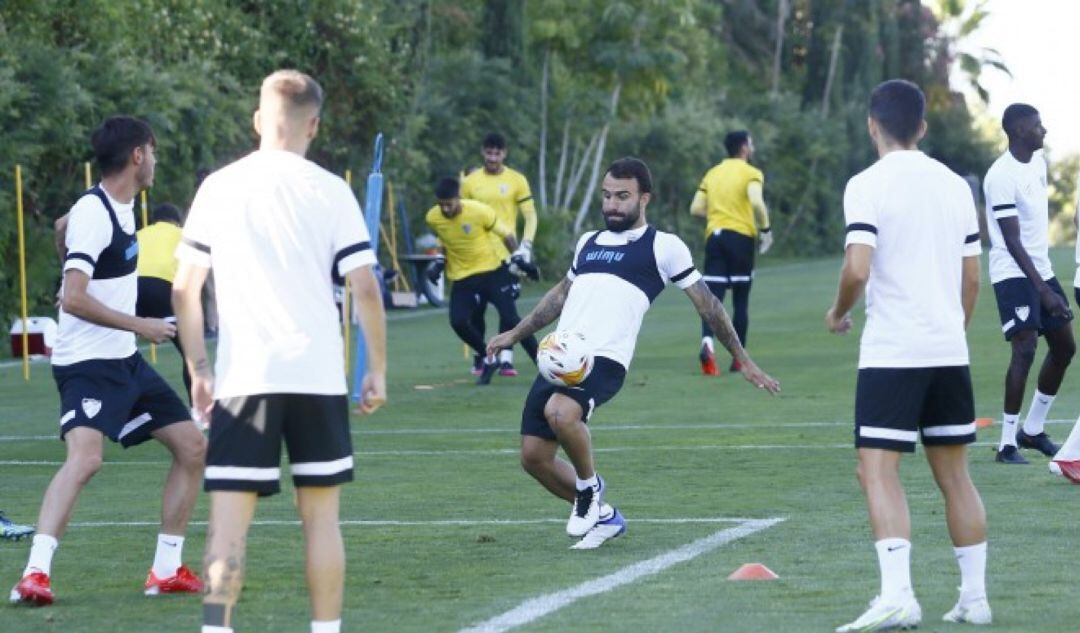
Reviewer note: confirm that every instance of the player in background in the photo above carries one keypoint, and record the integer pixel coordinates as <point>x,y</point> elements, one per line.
<point>467,230</point>
<point>615,276</point>
<point>156,269</point>
<point>1029,298</point>
<point>913,246</point>
<point>106,388</point>
<point>731,200</point>
<point>507,192</point>
<point>1068,456</point>
<point>277,229</point>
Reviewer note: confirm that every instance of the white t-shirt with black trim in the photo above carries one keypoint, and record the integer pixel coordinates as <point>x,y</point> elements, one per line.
<point>607,309</point>
<point>1015,189</point>
<point>89,232</point>
<point>921,220</point>
<point>273,226</point>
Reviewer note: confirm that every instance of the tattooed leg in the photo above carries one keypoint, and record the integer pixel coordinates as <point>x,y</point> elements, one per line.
<point>226,549</point>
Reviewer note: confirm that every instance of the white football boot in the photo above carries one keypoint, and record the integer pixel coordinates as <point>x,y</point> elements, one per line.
<point>975,611</point>
<point>611,525</point>
<point>586,510</point>
<point>882,616</point>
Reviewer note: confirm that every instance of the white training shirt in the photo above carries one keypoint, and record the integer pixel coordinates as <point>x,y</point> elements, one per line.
<point>921,219</point>
<point>90,231</point>
<point>272,226</point>
<point>1015,189</point>
<point>607,309</point>
<point>1076,279</point>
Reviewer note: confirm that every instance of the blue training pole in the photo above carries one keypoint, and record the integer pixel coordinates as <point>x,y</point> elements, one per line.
<point>373,196</point>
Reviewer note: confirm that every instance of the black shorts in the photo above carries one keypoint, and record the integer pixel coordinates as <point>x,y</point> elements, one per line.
<point>154,299</point>
<point>1020,308</point>
<point>893,407</point>
<point>246,434</point>
<point>123,398</point>
<point>603,382</point>
<point>729,258</point>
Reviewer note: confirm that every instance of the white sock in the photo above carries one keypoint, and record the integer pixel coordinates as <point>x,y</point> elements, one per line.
<point>972,561</point>
<point>708,342</point>
<point>591,482</point>
<point>206,628</point>
<point>1036,417</point>
<point>1070,450</point>
<point>1008,430</point>
<point>894,559</point>
<point>326,626</point>
<point>41,552</point>
<point>167,556</point>
<point>506,356</point>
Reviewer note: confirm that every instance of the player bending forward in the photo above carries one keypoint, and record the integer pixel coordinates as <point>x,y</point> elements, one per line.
<point>615,276</point>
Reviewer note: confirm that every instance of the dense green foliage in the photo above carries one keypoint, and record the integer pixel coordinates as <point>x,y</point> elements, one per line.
<point>571,84</point>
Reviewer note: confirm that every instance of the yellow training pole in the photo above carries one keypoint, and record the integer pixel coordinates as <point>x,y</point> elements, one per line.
<point>146,223</point>
<point>346,317</point>
<point>22,273</point>
<point>88,175</point>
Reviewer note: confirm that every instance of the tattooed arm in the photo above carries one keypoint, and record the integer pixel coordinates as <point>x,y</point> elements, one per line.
<point>544,313</point>
<point>710,309</point>
<point>187,305</point>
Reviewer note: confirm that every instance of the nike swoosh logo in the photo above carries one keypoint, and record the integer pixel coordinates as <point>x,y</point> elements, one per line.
<point>168,543</point>
<point>893,549</point>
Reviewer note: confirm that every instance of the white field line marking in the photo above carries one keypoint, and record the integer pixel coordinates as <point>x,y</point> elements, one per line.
<point>432,523</point>
<point>538,607</point>
<point>514,451</point>
<point>513,430</point>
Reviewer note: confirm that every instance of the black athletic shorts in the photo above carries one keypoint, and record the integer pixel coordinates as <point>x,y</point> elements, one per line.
<point>246,434</point>
<point>154,299</point>
<point>1020,308</point>
<point>603,382</point>
<point>124,398</point>
<point>729,258</point>
<point>893,407</point>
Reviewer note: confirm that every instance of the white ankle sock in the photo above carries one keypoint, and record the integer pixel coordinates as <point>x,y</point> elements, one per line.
<point>894,559</point>
<point>1070,450</point>
<point>1036,416</point>
<point>41,552</point>
<point>326,626</point>
<point>168,554</point>
<point>1008,430</point>
<point>506,356</point>
<point>206,628</point>
<point>972,561</point>
<point>708,342</point>
<point>591,482</point>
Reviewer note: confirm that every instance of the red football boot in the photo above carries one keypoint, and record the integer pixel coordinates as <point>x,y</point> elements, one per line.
<point>34,589</point>
<point>183,581</point>
<point>708,361</point>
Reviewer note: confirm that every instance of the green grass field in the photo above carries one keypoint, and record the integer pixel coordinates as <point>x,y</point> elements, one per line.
<point>448,532</point>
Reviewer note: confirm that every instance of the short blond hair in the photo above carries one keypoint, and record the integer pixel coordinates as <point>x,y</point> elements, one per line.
<point>296,90</point>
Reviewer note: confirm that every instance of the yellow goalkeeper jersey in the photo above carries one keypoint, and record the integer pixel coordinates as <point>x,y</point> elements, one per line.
<point>506,193</point>
<point>157,248</point>
<point>468,238</point>
<point>729,206</point>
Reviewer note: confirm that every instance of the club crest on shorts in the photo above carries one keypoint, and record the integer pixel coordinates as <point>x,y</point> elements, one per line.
<point>91,407</point>
<point>1023,312</point>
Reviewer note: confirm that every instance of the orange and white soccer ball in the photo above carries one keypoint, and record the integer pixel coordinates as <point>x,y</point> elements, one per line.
<point>564,359</point>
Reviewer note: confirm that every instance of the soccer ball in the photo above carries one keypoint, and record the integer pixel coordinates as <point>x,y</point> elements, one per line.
<point>564,359</point>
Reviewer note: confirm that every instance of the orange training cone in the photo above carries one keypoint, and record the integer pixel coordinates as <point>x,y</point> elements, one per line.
<point>753,571</point>
<point>984,422</point>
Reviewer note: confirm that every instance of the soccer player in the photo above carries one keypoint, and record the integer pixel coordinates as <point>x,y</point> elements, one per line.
<point>1030,299</point>
<point>106,388</point>
<point>467,230</point>
<point>274,228</point>
<point>506,191</point>
<point>156,269</point>
<point>731,201</point>
<point>913,247</point>
<point>615,276</point>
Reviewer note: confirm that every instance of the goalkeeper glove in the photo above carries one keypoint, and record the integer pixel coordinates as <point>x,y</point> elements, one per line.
<point>520,267</point>
<point>524,252</point>
<point>435,270</point>
<point>766,241</point>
